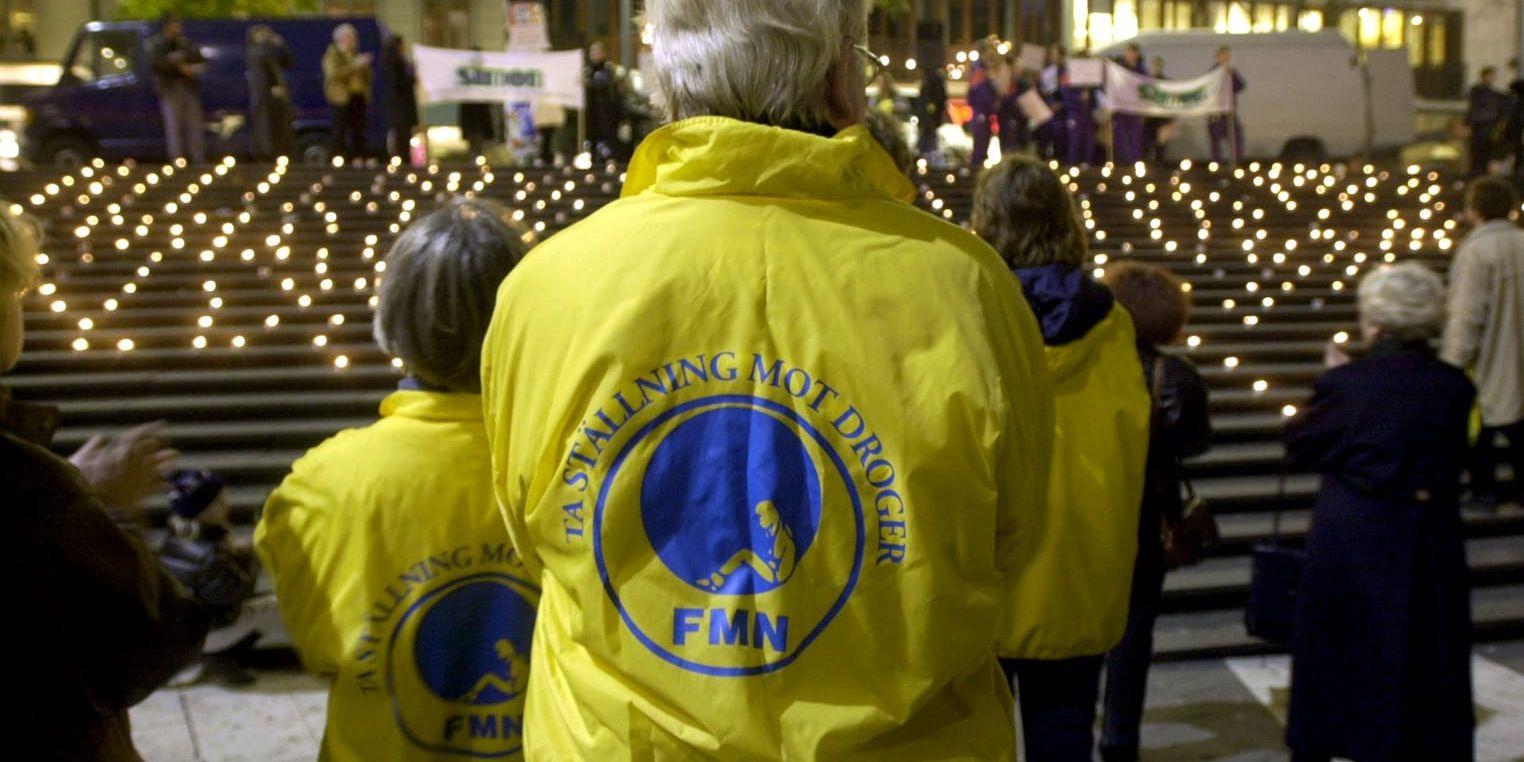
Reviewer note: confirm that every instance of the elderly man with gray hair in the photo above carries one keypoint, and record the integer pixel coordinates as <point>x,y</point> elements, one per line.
<point>1383,627</point>
<point>774,442</point>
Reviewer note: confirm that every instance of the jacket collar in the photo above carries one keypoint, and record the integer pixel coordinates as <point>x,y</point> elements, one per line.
<point>716,156</point>
<point>1493,227</point>
<point>432,406</point>
<point>1067,302</point>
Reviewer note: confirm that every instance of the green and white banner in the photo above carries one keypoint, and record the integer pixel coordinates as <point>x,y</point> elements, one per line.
<point>1128,92</point>
<point>477,76</point>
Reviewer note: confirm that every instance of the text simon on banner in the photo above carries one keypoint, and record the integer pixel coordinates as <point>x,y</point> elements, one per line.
<point>1132,93</point>
<point>508,77</point>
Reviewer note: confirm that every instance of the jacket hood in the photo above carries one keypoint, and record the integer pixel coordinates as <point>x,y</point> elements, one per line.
<point>1067,302</point>
<point>711,156</point>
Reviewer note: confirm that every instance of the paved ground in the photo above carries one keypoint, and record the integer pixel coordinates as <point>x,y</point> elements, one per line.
<point>1228,710</point>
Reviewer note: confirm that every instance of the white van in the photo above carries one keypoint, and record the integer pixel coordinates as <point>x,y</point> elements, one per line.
<point>1307,95</point>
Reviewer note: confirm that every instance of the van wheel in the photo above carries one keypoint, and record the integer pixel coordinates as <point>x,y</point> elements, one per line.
<point>1304,150</point>
<point>312,148</point>
<point>67,152</point>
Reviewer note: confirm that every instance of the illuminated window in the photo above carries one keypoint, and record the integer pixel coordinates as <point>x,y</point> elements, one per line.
<point>1081,19</point>
<point>1124,19</point>
<point>1149,12</point>
<point>1183,17</point>
<point>1416,40</point>
<point>1394,24</point>
<point>1370,28</point>
<point>1238,19</point>
<point>1310,21</point>
<point>1282,18</point>
<point>1264,17</point>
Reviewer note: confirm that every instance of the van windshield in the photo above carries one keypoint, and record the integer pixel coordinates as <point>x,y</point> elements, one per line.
<point>104,54</point>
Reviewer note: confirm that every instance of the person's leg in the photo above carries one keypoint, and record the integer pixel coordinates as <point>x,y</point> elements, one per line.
<point>1480,144</point>
<point>361,107</point>
<point>981,152</point>
<point>1127,664</point>
<point>1483,469</point>
<point>1057,702</point>
<point>1216,133</point>
<point>261,121</point>
<point>195,128</point>
<point>173,147</point>
<point>1515,434</point>
<point>1238,140</point>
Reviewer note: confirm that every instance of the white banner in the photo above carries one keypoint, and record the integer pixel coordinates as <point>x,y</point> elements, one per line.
<point>477,76</point>
<point>1132,93</point>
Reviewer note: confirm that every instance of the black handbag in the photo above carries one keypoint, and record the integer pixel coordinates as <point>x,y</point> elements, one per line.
<point>1274,581</point>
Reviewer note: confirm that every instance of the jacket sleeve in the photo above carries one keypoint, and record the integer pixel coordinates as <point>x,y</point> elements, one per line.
<point>115,624</point>
<point>1467,308</point>
<point>1313,436</point>
<point>296,545</point>
<point>158,55</point>
<point>1183,402</point>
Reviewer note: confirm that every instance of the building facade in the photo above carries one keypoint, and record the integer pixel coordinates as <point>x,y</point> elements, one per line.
<point>1448,41</point>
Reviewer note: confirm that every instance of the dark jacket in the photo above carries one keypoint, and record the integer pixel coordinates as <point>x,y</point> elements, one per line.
<point>267,64</point>
<point>166,70</point>
<point>1382,644</point>
<point>401,96</point>
<point>1485,106</point>
<point>93,623</point>
<point>605,100</point>
<point>1181,428</point>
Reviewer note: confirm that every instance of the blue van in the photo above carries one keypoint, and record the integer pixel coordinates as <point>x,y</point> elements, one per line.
<point>105,103</point>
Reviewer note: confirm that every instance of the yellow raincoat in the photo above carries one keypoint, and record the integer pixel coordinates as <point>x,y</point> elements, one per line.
<point>776,444</point>
<point>1102,410</point>
<point>397,582</point>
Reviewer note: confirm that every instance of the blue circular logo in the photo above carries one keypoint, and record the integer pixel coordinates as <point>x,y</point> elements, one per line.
<point>472,647</point>
<point>731,501</point>
<point>728,534</point>
<point>457,665</point>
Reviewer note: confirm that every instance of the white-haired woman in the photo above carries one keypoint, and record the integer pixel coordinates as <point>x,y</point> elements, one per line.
<point>347,81</point>
<point>1381,650</point>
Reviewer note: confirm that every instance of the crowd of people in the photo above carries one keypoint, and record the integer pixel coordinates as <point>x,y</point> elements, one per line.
<point>614,118</point>
<point>1494,121</point>
<point>1079,128</point>
<point>760,461</point>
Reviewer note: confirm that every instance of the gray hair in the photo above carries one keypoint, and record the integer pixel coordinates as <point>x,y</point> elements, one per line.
<point>20,234</point>
<point>436,297</point>
<point>756,60</point>
<point>343,29</point>
<point>1406,301</point>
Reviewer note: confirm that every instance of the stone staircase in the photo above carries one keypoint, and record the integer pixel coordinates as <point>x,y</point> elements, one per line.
<point>234,303</point>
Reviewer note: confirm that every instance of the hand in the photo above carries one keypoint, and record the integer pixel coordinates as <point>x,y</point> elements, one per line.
<point>1334,355</point>
<point>278,91</point>
<point>364,59</point>
<point>126,469</point>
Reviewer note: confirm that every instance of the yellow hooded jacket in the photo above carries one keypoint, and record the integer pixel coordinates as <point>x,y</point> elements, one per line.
<point>1102,411</point>
<point>775,444</point>
<point>397,582</point>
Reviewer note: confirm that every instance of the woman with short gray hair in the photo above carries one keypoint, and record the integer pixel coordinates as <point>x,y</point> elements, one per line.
<point>1383,627</point>
<point>434,300</point>
<point>399,517</point>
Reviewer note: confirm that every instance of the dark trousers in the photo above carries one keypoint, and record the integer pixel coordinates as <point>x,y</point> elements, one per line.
<point>1057,701</point>
<point>349,128</point>
<point>1226,131</point>
<point>270,128</point>
<point>1127,664</point>
<point>1081,141</point>
<point>981,133</point>
<point>1486,455</point>
<point>547,144</point>
<point>1481,147</point>
<point>1126,138</point>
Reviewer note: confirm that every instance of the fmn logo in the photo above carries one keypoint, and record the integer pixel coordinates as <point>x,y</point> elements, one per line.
<point>458,666</point>
<point>755,521</point>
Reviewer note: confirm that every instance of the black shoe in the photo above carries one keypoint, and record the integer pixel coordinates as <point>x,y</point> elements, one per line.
<point>1481,503</point>
<point>226,670</point>
<point>1119,754</point>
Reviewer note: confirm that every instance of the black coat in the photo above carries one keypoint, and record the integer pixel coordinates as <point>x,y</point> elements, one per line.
<point>401,97</point>
<point>1382,644</point>
<point>94,623</point>
<point>1181,427</point>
